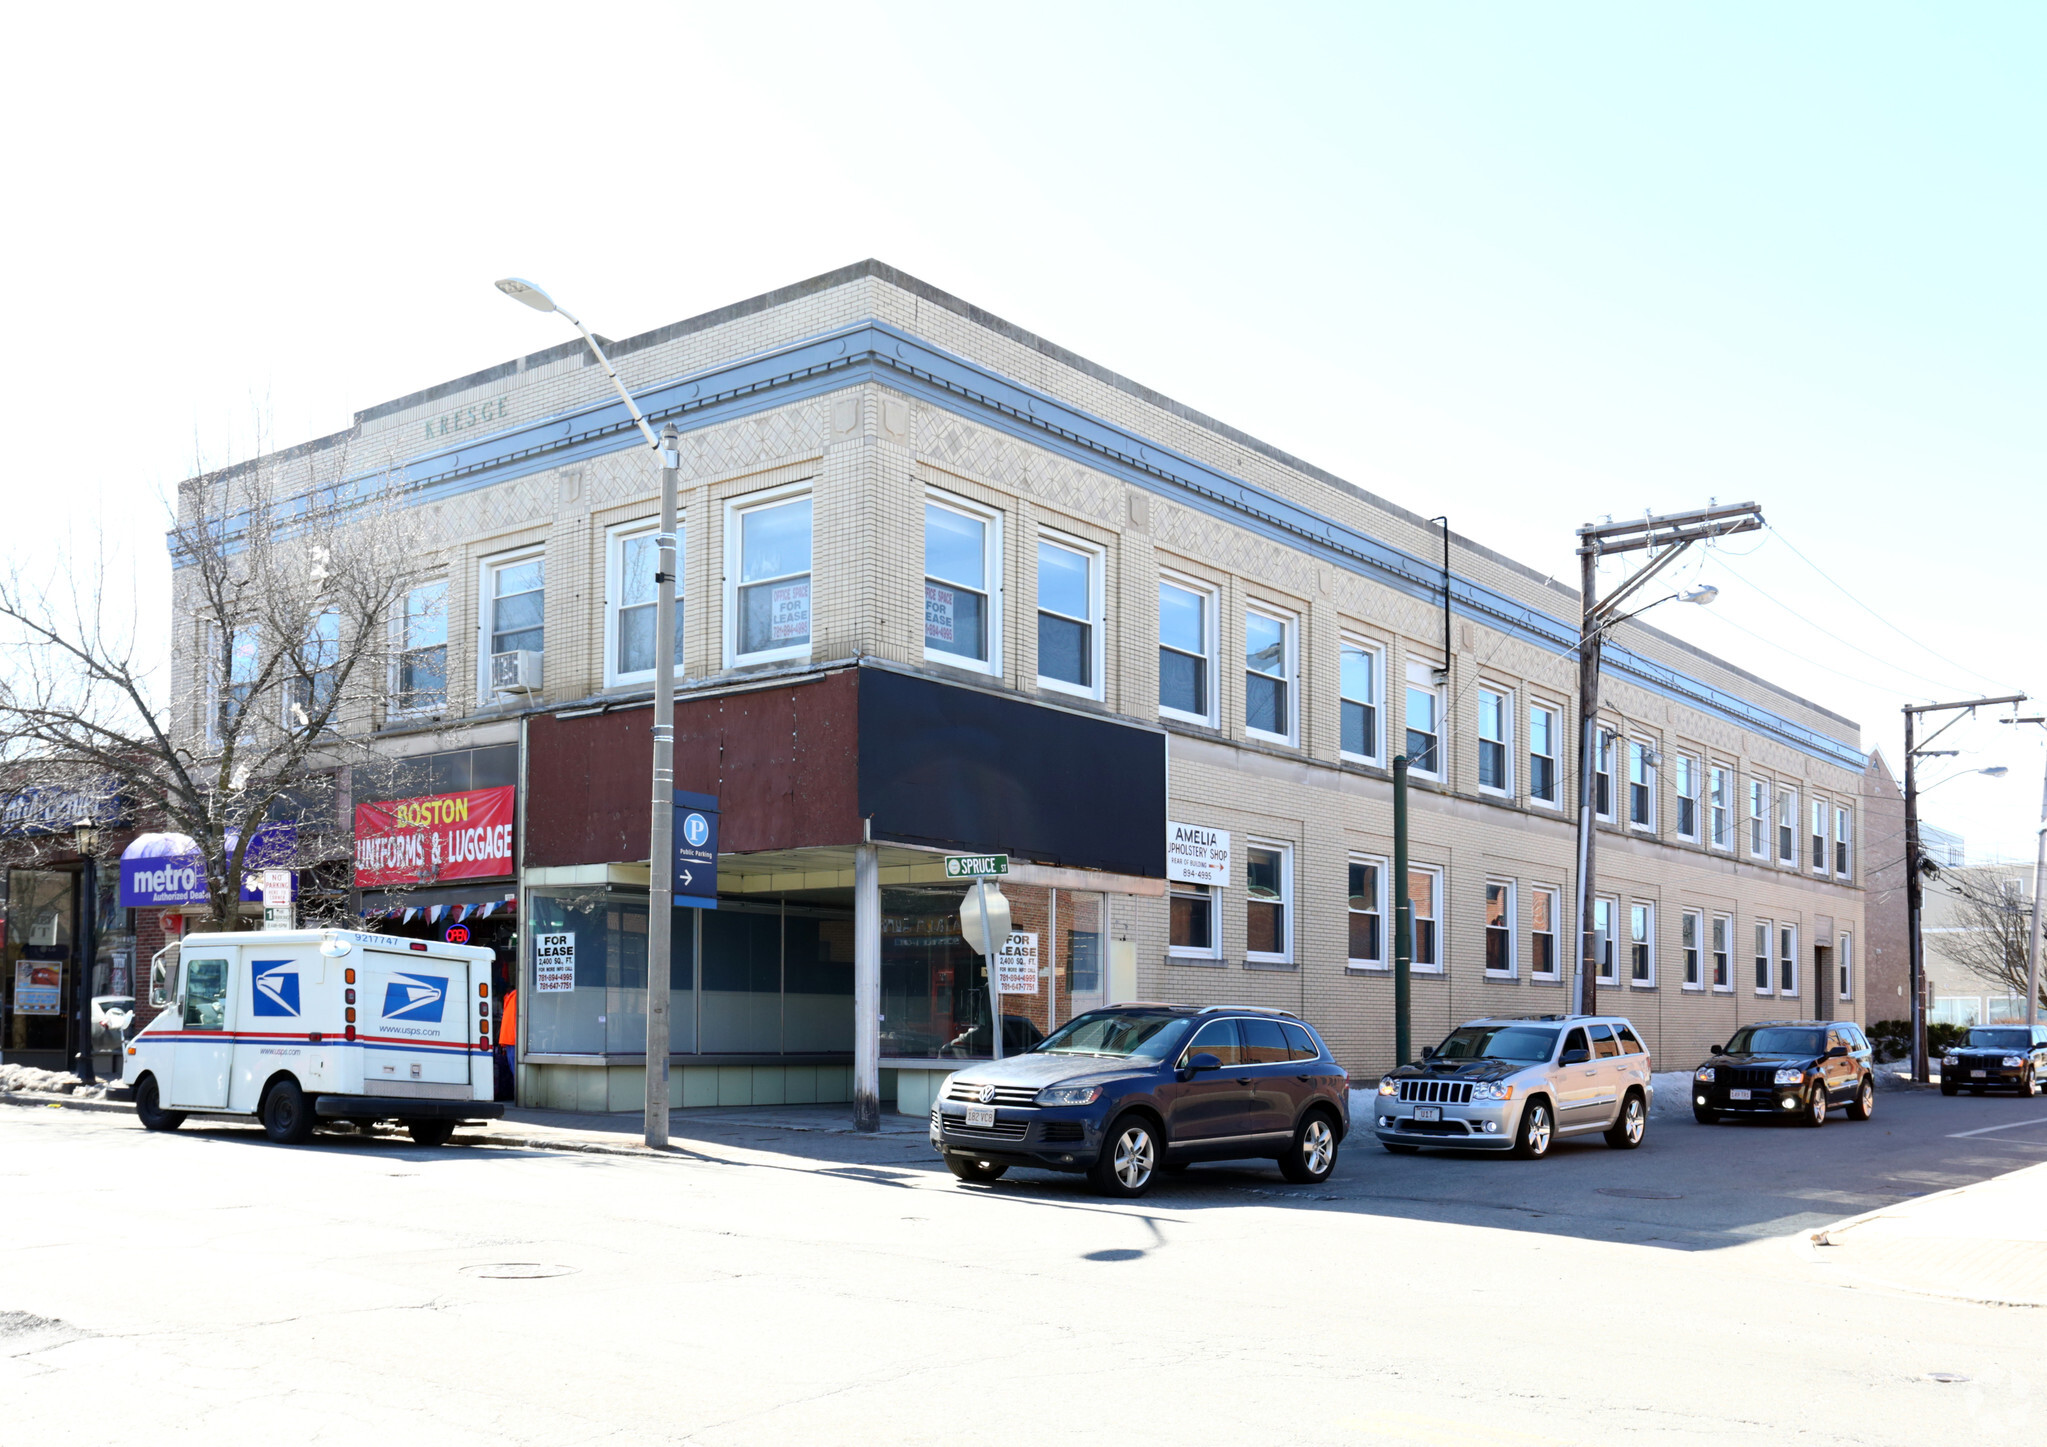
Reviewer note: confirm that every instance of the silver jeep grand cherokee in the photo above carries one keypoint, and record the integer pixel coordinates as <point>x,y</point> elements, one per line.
<point>1520,1084</point>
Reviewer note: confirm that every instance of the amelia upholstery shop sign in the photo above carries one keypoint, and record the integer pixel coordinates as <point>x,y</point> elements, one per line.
<point>440,837</point>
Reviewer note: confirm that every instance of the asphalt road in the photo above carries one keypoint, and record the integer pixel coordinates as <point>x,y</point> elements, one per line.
<point>778,1287</point>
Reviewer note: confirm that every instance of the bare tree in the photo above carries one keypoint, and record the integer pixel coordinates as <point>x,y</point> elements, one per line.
<point>1990,925</point>
<point>288,579</point>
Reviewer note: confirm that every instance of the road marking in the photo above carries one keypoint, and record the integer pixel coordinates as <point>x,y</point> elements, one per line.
<point>1965,1134</point>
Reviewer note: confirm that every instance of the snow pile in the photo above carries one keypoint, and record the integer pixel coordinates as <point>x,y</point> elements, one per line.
<point>47,1082</point>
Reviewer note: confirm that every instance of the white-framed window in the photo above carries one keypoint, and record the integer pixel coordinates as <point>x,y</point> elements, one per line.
<point>1604,908</point>
<point>1719,824</point>
<point>1641,944</point>
<point>1424,721</point>
<point>1787,959</point>
<point>1844,838</point>
<point>1069,616</point>
<point>767,577</point>
<point>1368,935</point>
<point>1544,725</point>
<point>315,672</point>
<point>1602,773</point>
<point>1641,784</point>
<point>1268,675</point>
<point>1495,724</point>
<point>1425,903</point>
<point>231,694</point>
<point>1499,927</point>
<point>1269,903</point>
<point>632,557</point>
<point>1819,836</point>
<point>513,617</point>
<point>1360,671</point>
<point>1187,649</point>
<point>1544,959</point>
<point>1758,819</point>
<point>419,666</point>
<point>1723,953</point>
<point>1690,927</point>
<point>962,584</point>
<point>1192,925</point>
<point>1763,934</point>
<point>1685,782</point>
<point>1844,966</point>
<point>1787,828</point>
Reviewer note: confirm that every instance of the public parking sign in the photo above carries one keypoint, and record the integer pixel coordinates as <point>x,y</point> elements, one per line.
<point>975,866</point>
<point>696,850</point>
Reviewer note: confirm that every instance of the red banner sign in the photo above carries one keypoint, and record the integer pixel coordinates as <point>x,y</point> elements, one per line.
<point>425,841</point>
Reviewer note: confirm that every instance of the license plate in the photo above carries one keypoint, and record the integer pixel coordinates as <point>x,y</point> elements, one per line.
<point>980,1115</point>
<point>1428,1112</point>
<point>1978,1074</point>
<point>1737,1095</point>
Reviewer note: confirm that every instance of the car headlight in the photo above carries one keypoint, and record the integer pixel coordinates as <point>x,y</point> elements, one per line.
<point>1950,1060</point>
<point>1070,1095</point>
<point>2014,1061</point>
<point>1389,1086</point>
<point>1790,1075</point>
<point>1704,1074</point>
<point>1492,1092</point>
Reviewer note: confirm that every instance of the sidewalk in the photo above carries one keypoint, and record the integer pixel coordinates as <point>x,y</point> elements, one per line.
<point>810,1130</point>
<point>1982,1243</point>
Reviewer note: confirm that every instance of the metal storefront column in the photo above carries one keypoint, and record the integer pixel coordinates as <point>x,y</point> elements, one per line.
<point>866,988</point>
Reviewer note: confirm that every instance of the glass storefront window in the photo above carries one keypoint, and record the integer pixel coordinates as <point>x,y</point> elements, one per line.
<point>606,1012</point>
<point>41,923</point>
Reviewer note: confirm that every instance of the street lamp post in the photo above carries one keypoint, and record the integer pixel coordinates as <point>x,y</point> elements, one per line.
<point>85,837</point>
<point>661,827</point>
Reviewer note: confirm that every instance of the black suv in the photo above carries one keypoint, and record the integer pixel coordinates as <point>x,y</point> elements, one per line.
<point>1996,1057</point>
<point>1126,1092</point>
<point>1796,1069</point>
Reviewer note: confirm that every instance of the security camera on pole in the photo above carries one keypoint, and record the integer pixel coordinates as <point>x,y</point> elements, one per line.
<point>984,922</point>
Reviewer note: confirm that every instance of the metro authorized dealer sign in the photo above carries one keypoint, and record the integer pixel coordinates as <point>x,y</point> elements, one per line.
<point>440,837</point>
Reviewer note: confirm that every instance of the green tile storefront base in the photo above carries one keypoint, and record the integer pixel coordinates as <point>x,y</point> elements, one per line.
<point>599,1088</point>
<point>916,1090</point>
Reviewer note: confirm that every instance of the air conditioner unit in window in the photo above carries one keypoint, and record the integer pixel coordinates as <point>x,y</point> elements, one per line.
<point>515,672</point>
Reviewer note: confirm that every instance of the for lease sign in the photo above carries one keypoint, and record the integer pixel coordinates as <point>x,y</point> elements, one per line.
<point>439,837</point>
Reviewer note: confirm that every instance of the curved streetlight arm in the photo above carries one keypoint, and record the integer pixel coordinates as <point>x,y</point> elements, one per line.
<point>616,385</point>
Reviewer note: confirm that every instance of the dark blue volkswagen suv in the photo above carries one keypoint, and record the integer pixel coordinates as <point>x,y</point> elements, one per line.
<point>1126,1092</point>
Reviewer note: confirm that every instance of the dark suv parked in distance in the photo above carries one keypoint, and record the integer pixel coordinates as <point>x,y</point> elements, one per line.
<point>1996,1057</point>
<point>1798,1069</point>
<point>1126,1092</point>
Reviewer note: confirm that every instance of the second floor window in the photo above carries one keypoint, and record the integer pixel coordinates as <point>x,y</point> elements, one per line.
<point>1066,616</point>
<point>518,606</point>
<point>422,672</point>
<point>244,666</point>
<point>772,612</point>
<point>1719,782</point>
<point>1499,927</point>
<point>1542,753</point>
<point>1819,836</point>
<point>1494,710</point>
<point>1367,944</point>
<point>1688,933</point>
<point>316,674</point>
<point>1424,714</point>
<point>1184,640</point>
<point>1360,702</point>
<point>1602,775</point>
<point>1424,896</point>
<point>637,560</point>
<point>956,586</point>
<point>1542,936</point>
<point>1641,785</point>
<point>1762,957</point>
<point>1642,944</point>
<point>1723,952</point>
<point>1602,939</point>
<point>1268,888</point>
<point>1787,828</point>
<point>1787,959</point>
<point>1844,831</point>
<point>1759,820</point>
<point>1687,781</point>
<point>1267,670</point>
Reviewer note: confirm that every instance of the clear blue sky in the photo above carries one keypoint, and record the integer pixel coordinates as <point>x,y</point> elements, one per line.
<point>1527,265</point>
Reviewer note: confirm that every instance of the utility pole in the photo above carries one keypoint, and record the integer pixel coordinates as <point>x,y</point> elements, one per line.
<point>1403,922</point>
<point>661,827</point>
<point>2039,879</point>
<point>1665,537</point>
<point>1915,893</point>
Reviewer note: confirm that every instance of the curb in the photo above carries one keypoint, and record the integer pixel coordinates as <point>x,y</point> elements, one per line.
<point>35,1098</point>
<point>1807,1245</point>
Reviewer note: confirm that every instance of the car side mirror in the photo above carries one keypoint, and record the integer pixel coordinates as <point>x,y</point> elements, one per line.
<point>1204,1061</point>
<point>1575,1057</point>
<point>1719,1050</point>
<point>1428,1052</point>
<point>1837,1052</point>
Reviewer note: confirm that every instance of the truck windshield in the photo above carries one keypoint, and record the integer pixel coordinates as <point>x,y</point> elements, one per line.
<point>2000,1039</point>
<point>1497,1042</point>
<point>1146,1035</point>
<point>1776,1040</point>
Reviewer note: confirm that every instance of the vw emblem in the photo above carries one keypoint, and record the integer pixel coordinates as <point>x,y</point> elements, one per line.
<point>987,1094</point>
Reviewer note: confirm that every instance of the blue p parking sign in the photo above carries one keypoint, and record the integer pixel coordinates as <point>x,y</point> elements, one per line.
<point>696,850</point>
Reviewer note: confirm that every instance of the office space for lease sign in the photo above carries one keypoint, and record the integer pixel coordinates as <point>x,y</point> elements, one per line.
<point>1195,855</point>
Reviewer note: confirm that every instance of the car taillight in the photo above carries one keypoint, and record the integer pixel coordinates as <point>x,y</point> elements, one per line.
<point>351,1033</point>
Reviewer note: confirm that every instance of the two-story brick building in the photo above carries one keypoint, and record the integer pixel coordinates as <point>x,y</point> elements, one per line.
<point>946,586</point>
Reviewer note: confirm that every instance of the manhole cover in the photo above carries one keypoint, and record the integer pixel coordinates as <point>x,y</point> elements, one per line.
<point>1631,1193</point>
<point>1945,1377</point>
<point>517,1270</point>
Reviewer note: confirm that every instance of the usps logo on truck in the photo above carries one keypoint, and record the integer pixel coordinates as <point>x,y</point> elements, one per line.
<point>415,997</point>
<point>275,984</point>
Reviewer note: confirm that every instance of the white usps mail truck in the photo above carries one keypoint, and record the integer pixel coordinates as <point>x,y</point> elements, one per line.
<point>300,1026</point>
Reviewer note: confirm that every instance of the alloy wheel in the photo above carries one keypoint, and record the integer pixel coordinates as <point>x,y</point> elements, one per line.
<point>1636,1121</point>
<point>1135,1158</point>
<point>1537,1130</point>
<point>1318,1146</point>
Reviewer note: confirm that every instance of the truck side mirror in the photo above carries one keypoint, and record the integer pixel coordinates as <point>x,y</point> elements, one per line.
<point>160,973</point>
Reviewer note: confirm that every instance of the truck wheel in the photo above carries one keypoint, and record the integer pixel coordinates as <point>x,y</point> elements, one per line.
<point>1948,1087</point>
<point>1864,1104</point>
<point>149,1107</point>
<point>969,1169</point>
<point>1815,1112</point>
<point>430,1132</point>
<point>287,1114</point>
<point>1312,1156</point>
<point>1129,1159</point>
<point>1538,1129</point>
<point>1629,1127</point>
